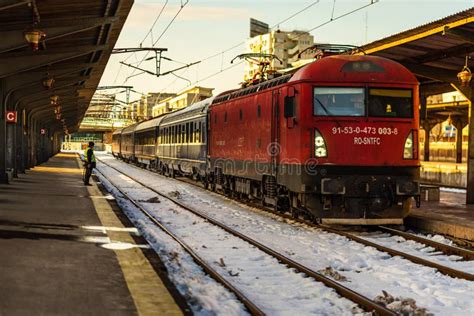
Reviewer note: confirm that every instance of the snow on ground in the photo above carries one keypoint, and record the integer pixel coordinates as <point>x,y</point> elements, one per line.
<point>204,295</point>
<point>452,190</point>
<point>420,250</point>
<point>368,270</point>
<point>276,289</point>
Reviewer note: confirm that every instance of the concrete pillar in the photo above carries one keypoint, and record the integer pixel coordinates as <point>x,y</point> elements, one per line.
<point>10,150</point>
<point>459,123</point>
<point>3,134</point>
<point>19,164</point>
<point>470,156</point>
<point>459,144</point>
<point>427,126</point>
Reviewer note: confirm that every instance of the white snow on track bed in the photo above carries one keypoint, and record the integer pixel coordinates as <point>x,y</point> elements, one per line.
<point>368,270</point>
<point>204,295</point>
<point>419,250</point>
<point>275,288</point>
<point>452,190</point>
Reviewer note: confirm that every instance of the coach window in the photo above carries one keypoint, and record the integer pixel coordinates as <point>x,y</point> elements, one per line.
<point>200,132</point>
<point>203,133</point>
<point>241,115</point>
<point>225,117</point>
<point>338,101</point>
<point>195,132</point>
<point>215,118</point>
<point>259,111</point>
<point>188,132</point>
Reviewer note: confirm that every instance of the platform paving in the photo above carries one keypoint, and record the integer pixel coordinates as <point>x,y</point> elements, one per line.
<point>450,216</point>
<point>55,256</point>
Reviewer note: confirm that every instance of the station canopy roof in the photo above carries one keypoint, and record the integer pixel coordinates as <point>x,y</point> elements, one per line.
<point>436,52</point>
<point>79,38</point>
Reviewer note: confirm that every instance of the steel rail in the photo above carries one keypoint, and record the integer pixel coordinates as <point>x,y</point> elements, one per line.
<point>252,308</point>
<point>447,249</point>
<point>443,269</point>
<point>365,302</point>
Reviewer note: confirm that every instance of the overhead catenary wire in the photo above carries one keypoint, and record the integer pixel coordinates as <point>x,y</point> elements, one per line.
<point>133,74</point>
<point>150,31</point>
<point>332,19</point>
<point>154,23</point>
<point>162,34</point>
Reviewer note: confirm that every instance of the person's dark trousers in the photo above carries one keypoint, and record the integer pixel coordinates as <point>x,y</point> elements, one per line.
<point>88,174</point>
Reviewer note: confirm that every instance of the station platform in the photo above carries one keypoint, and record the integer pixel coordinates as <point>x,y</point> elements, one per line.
<point>66,249</point>
<point>450,216</point>
<point>444,173</point>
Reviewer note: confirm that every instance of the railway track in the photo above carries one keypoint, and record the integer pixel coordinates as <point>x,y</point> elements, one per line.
<point>364,302</point>
<point>449,250</point>
<point>466,254</point>
<point>393,252</point>
<point>251,307</point>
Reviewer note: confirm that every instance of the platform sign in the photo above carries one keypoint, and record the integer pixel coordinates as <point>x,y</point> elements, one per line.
<point>43,131</point>
<point>11,117</point>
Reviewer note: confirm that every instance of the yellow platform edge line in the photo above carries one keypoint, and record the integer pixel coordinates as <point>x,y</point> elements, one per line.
<point>150,295</point>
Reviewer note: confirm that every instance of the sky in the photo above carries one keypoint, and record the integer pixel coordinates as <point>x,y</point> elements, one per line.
<point>219,28</point>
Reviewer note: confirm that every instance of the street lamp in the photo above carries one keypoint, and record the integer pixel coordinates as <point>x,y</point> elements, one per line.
<point>54,99</point>
<point>33,36</point>
<point>465,75</point>
<point>48,82</point>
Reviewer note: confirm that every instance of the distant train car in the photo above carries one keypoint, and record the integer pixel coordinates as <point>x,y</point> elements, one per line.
<point>116,140</point>
<point>127,143</point>
<point>145,141</point>
<point>182,141</point>
<point>336,141</point>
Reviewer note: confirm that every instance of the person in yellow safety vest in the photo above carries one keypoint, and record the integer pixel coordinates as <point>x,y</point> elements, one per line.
<point>89,162</point>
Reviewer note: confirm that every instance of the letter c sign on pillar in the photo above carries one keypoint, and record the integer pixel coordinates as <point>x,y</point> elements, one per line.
<point>11,117</point>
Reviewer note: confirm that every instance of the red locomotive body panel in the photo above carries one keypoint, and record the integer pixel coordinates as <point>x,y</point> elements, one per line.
<point>341,133</point>
<point>351,141</point>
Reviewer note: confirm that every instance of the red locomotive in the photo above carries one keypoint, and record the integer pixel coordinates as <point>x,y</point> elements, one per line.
<point>336,141</point>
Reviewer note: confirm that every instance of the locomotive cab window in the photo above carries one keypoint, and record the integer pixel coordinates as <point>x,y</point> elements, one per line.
<point>391,103</point>
<point>330,101</point>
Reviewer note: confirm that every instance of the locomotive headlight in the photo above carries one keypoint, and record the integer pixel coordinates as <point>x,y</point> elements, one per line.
<point>408,150</point>
<point>320,149</point>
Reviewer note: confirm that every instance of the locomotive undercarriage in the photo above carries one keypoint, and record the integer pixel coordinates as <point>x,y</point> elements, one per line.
<point>330,196</point>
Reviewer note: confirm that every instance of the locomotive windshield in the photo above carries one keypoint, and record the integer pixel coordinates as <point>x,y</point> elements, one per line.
<point>339,101</point>
<point>342,101</point>
<point>390,103</point>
